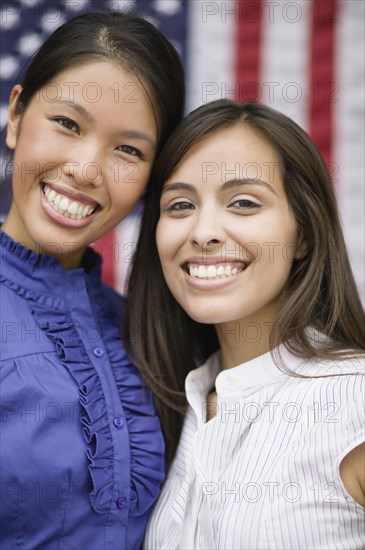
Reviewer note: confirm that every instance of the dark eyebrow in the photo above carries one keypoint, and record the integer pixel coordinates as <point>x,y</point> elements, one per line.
<point>230,184</point>
<point>76,106</point>
<point>178,186</point>
<point>138,135</point>
<point>125,133</point>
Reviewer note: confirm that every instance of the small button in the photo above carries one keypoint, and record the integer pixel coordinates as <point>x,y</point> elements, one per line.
<point>121,502</point>
<point>98,352</point>
<point>118,422</point>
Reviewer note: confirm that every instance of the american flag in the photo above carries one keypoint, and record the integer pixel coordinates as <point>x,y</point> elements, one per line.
<point>304,58</point>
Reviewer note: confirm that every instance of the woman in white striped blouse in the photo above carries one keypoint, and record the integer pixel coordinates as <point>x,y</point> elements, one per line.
<point>257,277</point>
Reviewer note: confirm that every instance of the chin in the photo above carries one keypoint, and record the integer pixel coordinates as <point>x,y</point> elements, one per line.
<point>208,318</point>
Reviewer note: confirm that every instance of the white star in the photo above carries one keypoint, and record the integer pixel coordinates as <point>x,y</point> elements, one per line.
<point>9,16</point>
<point>51,20</point>
<point>3,116</point>
<point>8,67</point>
<point>124,6</point>
<point>170,7</point>
<point>29,43</point>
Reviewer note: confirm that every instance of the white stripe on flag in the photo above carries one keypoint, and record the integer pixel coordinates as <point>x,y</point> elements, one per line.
<point>285,59</point>
<point>126,237</point>
<point>211,51</point>
<point>349,138</point>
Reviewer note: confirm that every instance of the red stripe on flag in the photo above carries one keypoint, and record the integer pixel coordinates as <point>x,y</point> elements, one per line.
<point>105,246</point>
<point>323,86</point>
<point>248,39</point>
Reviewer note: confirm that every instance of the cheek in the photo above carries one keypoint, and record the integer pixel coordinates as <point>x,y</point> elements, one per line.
<point>168,243</point>
<point>161,240</point>
<point>278,240</point>
<point>288,251</point>
<point>33,156</point>
<point>125,185</point>
<point>289,243</point>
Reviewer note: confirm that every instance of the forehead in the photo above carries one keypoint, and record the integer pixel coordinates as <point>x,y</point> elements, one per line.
<point>234,152</point>
<point>86,80</point>
<point>104,93</point>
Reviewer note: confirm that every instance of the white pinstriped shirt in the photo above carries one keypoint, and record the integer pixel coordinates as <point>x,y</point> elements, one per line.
<point>264,472</point>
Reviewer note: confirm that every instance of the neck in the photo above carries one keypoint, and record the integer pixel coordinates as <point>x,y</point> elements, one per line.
<point>245,339</point>
<point>70,261</point>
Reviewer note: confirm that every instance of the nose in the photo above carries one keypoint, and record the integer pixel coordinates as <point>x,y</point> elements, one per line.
<point>84,168</point>
<point>207,231</point>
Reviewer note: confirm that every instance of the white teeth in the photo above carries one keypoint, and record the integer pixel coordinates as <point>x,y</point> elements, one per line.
<point>70,209</point>
<point>213,272</point>
<point>57,200</point>
<point>64,204</point>
<point>51,195</point>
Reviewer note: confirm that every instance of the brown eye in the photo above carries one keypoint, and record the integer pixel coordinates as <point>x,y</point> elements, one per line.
<point>244,204</point>
<point>180,206</point>
<point>68,124</point>
<point>130,150</point>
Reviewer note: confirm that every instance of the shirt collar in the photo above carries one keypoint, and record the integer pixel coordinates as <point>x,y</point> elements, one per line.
<point>29,269</point>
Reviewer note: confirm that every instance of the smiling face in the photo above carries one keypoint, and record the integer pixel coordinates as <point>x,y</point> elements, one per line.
<point>83,152</point>
<point>226,235</point>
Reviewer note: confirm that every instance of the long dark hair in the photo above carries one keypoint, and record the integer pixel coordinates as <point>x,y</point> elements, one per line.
<point>129,41</point>
<point>321,293</point>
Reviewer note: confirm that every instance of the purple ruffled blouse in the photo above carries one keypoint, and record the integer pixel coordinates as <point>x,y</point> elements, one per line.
<point>81,449</point>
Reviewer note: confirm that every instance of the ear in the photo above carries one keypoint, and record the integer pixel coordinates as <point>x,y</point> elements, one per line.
<point>13,117</point>
<point>301,248</point>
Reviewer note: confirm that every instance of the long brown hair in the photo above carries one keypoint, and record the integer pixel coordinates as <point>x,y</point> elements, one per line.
<point>321,293</point>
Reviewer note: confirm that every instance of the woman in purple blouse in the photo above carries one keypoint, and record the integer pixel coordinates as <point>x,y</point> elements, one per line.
<point>81,449</point>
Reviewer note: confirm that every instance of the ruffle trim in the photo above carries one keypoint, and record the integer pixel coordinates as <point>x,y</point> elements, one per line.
<point>145,439</point>
<point>28,294</point>
<point>25,271</point>
<point>27,255</point>
<point>147,447</point>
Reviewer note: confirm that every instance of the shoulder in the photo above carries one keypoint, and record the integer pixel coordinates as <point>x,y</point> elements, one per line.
<point>20,335</point>
<point>9,299</point>
<point>340,380</point>
<point>338,394</point>
<point>353,363</point>
<point>331,393</point>
<point>343,368</point>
